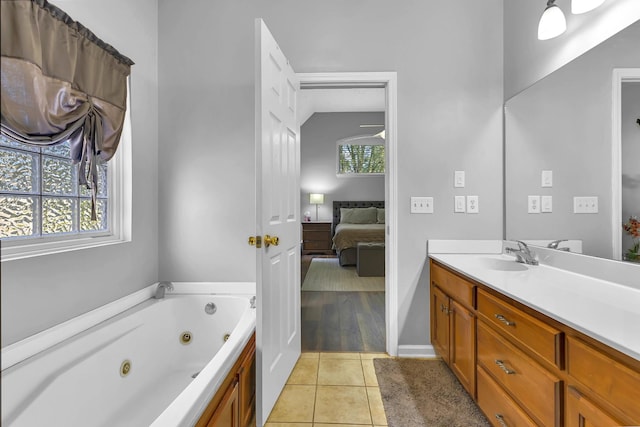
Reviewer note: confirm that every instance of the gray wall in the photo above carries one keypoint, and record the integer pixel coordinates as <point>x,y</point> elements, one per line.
<point>40,292</point>
<point>448,56</point>
<point>318,138</point>
<point>563,123</point>
<point>630,156</point>
<point>527,59</point>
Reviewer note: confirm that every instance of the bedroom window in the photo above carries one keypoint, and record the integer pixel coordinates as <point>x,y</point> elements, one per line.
<point>361,156</point>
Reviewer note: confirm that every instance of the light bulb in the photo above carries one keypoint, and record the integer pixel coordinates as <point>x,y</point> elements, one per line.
<point>552,22</point>
<point>583,6</point>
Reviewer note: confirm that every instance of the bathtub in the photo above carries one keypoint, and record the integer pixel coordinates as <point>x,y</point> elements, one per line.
<point>135,362</point>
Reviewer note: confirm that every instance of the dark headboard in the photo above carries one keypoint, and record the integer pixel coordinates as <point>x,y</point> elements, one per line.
<point>352,204</point>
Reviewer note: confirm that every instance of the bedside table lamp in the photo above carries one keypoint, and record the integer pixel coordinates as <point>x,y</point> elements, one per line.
<point>316,199</point>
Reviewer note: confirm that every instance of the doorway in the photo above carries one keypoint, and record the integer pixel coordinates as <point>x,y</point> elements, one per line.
<point>385,82</point>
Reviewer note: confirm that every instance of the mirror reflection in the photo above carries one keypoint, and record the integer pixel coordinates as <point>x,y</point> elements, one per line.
<point>563,175</point>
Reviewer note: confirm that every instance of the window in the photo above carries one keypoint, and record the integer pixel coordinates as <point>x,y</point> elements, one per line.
<point>44,210</point>
<point>40,195</point>
<point>361,156</point>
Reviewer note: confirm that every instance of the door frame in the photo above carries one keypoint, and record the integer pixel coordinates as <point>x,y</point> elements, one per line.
<point>619,76</point>
<point>388,81</point>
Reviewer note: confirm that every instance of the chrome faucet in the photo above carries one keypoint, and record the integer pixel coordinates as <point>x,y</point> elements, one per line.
<point>162,286</point>
<point>523,253</point>
<point>556,243</point>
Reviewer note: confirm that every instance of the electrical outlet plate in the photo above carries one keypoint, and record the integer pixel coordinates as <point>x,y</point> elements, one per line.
<point>459,204</point>
<point>458,179</point>
<point>546,204</point>
<point>547,179</point>
<point>472,204</point>
<point>533,205</point>
<point>585,205</point>
<point>422,205</point>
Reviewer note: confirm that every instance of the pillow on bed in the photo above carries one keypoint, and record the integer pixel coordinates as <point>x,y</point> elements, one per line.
<point>380,216</point>
<point>358,215</point>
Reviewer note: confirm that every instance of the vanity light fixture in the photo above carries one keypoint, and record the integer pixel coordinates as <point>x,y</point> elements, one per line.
<point>583,6</point>
<point>552,22</point>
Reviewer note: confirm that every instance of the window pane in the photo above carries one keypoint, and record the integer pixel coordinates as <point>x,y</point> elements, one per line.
<point>4,141</point>
<point>57,215</point>
<point>102,183</point>
<point>58,176</point>
<point>18,171</point>
<point>17,216</point>
<point>61,150</point>
<point>85,215</point>
<point>360,159</point>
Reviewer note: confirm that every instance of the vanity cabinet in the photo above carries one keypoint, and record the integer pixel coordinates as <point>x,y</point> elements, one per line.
<point>529,369</point>
<point>453,325</point>
<point>233,405</point>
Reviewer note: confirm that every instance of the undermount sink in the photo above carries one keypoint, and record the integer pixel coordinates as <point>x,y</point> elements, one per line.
<point>504,265</point>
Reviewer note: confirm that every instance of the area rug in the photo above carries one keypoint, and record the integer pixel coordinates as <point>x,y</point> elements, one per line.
<point>424,393</point>
<point>326,274</point>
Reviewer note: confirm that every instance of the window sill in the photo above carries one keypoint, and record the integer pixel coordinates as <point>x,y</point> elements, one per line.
<point>30,250</point>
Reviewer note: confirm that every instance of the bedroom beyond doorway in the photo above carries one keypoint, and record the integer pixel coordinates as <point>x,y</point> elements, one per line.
<point>338,314</point>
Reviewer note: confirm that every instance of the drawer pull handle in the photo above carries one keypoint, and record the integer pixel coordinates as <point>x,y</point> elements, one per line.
<point>500,419</point>
<point>502,366</point>
<point>504,320</point>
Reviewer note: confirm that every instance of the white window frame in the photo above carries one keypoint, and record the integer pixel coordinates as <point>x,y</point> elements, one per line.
<point>358,140</point>
<point>119,210</point>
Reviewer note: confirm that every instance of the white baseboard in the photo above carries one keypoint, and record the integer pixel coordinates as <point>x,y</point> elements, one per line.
<point>425,351</point>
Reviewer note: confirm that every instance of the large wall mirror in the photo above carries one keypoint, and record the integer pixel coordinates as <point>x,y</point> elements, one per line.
<point>564,123</point>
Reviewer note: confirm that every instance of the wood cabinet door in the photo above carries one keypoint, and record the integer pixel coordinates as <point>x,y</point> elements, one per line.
<point>462,352</point>
<point>226,415</point>
<point>440,323</point>
<point>582,413</point>
<point>247,383</point>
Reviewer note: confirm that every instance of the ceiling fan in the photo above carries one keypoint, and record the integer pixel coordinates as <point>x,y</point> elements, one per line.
<point>380,134</point>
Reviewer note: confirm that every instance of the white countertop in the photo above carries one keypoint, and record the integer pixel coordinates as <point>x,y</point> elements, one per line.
<point>603,310</point>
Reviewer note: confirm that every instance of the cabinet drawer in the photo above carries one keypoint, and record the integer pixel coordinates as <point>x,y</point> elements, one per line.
<point>532,386</point>
<point>310,226</point>
<point>499,408</point>
<point>582,412</point>
<point>453,285</point>
<point>317,236</point>
<point>613,381</point>
<point>535,335</point>
<point>310,244</point>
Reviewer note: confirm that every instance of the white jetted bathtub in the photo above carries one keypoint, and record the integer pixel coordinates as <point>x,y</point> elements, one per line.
<point>138,361</point>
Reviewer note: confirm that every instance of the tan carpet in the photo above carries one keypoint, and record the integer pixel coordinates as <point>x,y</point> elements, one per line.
<point>424,393</point>
<point>325,274</point>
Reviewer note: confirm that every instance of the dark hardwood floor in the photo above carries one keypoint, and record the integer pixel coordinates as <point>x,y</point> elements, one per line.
<point>342,321</point>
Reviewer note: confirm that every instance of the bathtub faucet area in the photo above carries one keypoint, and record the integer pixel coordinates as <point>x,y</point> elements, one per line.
<point>162,287</point>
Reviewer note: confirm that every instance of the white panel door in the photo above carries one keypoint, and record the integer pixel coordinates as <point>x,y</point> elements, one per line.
<point>277,207</point>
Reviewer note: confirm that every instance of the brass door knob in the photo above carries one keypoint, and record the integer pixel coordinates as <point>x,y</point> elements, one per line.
<point>255,241</point>
<point>269,240</point>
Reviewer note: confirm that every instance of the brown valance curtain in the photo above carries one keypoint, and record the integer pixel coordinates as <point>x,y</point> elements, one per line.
<point>60,82</point>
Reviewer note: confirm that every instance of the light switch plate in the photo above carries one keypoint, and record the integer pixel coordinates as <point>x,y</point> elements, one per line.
<point>422,205</point>
<point>547,179</point>
<point>546,204</point>
<point>533,205</point>
<point>458,179</point>
<point>472,204</point>
<point>459,205</point>
<point>585,205</point>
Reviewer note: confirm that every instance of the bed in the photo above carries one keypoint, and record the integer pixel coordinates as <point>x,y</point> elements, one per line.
<point>355,222</point>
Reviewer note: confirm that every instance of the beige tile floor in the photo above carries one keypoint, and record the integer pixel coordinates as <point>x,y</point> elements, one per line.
<point>331,390</point>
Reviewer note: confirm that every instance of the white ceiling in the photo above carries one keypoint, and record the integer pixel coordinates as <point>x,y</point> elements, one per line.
<point>339,100</point>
